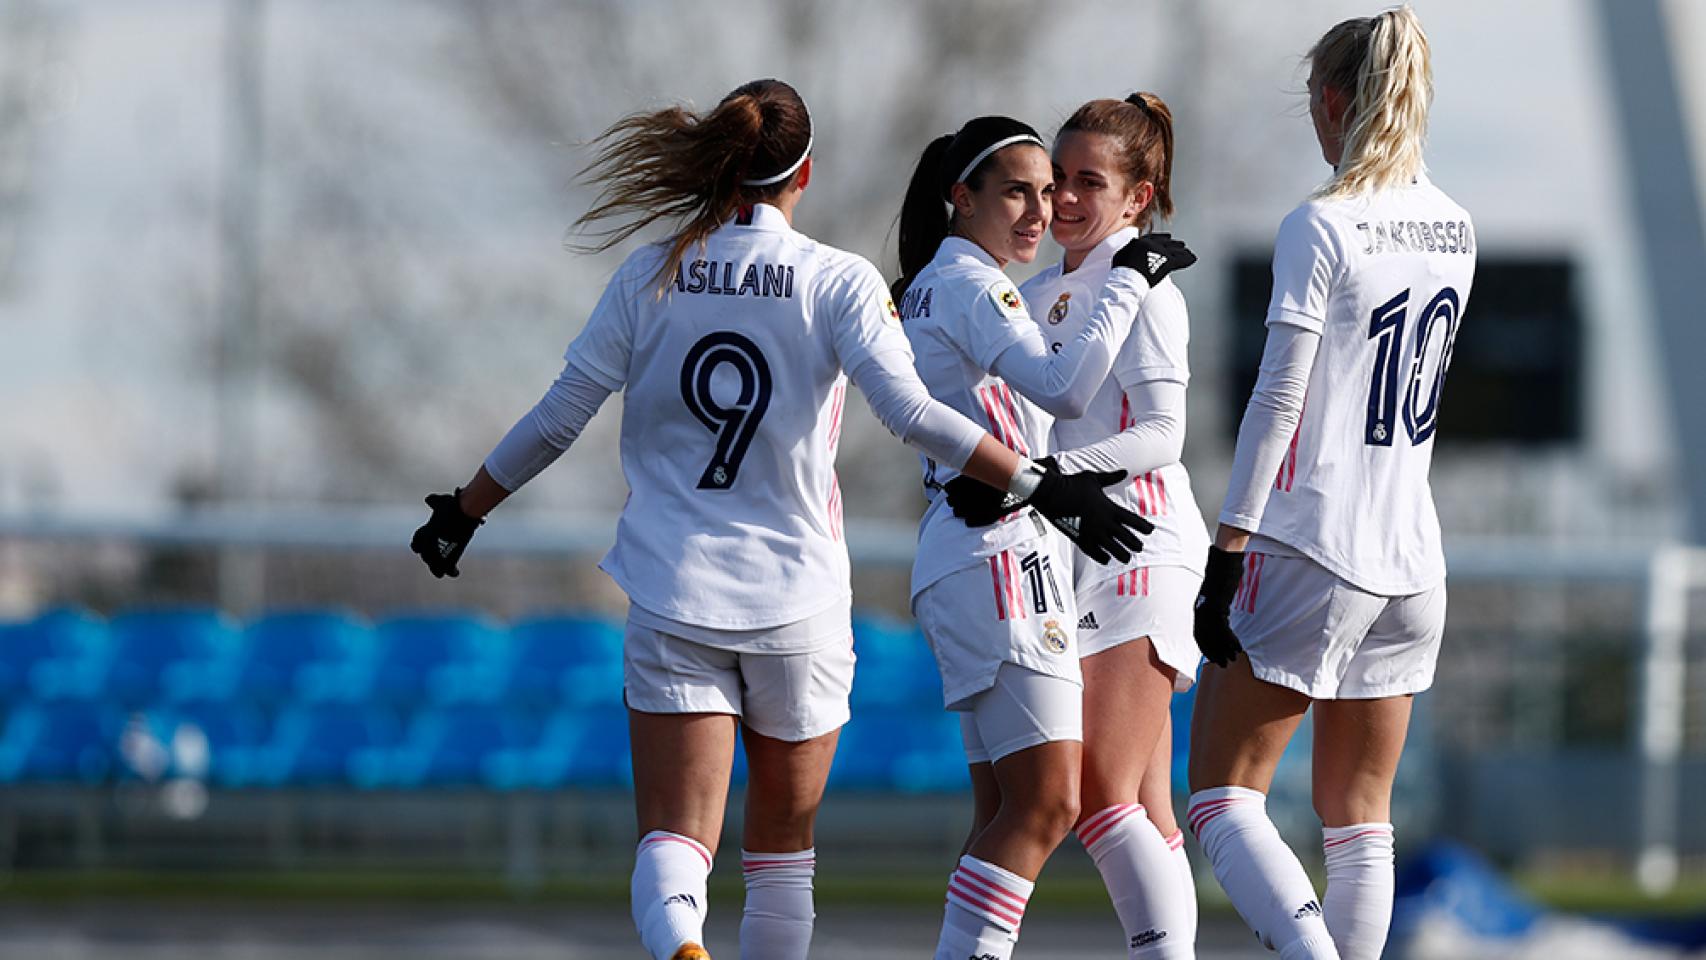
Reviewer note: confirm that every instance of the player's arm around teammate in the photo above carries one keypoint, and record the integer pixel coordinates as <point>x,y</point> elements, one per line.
<point>733,341</point>
<point>1113,169</point>
<point>1325,587</point>
<point>990,598</point>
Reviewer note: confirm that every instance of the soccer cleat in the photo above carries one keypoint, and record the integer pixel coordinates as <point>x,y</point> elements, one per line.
<point>690,951</point>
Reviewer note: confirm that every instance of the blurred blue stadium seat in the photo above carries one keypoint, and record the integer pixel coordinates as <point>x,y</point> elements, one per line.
<point>194,741</point>
<point>265,667</point>
<point>68,742</point>
<point>310,745</point>
<point>896,667</point>
<point>570,660</point>
<point>909,750</point>
<point>412,647</point>
<point>575,660</point>
<point>146,642</point>
<point>582,747</point>
<point>63,636</point>
<point>447,746</point>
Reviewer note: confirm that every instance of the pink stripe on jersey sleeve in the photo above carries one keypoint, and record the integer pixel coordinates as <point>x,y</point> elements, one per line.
<point>1012,409</point>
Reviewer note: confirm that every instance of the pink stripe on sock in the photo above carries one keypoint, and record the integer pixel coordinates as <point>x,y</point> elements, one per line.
<point>1095,819</point>
<point>990,888</point>
<point>978,904</point>
<point>1208,810</point>
<point>693,845</point>
<point>1372,832</point>
<point>1119,814</point>
<point>751,866</point>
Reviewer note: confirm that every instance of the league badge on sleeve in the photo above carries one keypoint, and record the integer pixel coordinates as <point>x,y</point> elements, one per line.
<point>1008,300</point>
<point>1057,312</point>
<point>894,314</point>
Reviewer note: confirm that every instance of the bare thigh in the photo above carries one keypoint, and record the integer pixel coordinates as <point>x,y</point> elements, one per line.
<point>681,772</point>
<point>1240,727</point>
<point>1127,691</point>
<point>1357,747</point>
<point>785,782</point>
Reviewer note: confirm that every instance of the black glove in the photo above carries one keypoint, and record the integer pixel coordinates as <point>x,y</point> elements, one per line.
<point>1076,505</point>
<point>1155,255</point>
<point>978,503</point>
<point>1214,606</point>
<point>441,540</point>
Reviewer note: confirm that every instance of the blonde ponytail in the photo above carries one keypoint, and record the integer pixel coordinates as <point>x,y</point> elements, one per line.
<point>1385,61</point>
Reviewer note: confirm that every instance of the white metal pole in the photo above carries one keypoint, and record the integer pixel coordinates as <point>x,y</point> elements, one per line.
<point>1659,725</point>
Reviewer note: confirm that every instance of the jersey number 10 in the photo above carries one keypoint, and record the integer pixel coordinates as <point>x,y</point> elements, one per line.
<point>1438,323</point>
<point>734,425</point>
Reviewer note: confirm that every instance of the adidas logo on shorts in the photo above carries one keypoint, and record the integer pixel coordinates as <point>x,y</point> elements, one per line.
<point>1310,909</point>
<point>686,898</point>
<point>1088,622</point>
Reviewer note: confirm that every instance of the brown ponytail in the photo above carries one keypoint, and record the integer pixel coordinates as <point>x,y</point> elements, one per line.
<point>1142,125</point>
<point>673,164</point>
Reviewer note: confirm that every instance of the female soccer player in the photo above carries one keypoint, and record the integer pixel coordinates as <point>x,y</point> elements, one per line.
<point>730,341</point>
<point>1113,163</point>
<point>1328,553</point>
<point>990,598</point>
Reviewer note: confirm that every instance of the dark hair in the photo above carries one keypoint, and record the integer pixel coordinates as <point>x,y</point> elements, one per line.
<point>1143,127</point>
<point>962,157</point>
<point>698,169</point>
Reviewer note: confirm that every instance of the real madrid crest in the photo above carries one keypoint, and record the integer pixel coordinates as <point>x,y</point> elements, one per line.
<point>1057,312</point>
<point>1054,637</point>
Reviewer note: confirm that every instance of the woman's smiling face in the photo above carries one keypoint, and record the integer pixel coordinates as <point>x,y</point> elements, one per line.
<point>1093,198</point>
<point>1008,212</point>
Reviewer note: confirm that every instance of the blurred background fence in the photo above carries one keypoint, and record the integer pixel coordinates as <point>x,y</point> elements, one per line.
<point>349,718</point>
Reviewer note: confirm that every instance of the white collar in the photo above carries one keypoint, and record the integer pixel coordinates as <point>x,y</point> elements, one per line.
<point>1103,253</point>
<point>959,248</point>
<point>764,217</point>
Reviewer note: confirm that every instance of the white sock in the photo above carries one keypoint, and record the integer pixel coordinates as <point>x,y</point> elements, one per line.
<point>985,907</point>
<point>1358,903</point>
<point>1259,872</point>
<point>1187,880</point>
<point>1138,871</point>
<point>668,891</point>
<point>777,923</point>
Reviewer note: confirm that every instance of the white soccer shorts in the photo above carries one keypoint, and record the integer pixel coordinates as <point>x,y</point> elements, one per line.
<point>1022,709</point>
<point>1306,629</point>
<point>1013,607</point>
<point>1153,602</point>
<point>786,696</point>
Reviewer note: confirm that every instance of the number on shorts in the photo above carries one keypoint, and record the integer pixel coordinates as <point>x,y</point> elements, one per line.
<point>734,425</point>
<point>1386,325</point>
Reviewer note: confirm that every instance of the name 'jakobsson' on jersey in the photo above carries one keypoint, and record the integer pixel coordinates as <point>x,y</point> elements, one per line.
<point>1416,236</point>
<point>718,276</point>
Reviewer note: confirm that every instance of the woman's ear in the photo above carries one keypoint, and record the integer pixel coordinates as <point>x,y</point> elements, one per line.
<point>964,206</point>
<point>1141,197</point>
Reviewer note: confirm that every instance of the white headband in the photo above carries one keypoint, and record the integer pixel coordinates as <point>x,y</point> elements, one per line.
<point>984,155</point>
<point>767,181</point>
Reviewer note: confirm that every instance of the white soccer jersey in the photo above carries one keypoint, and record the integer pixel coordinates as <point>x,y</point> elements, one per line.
<point>1384,279</point>
<point>733,406</point>
<point>1154,350</point>
<point>960,313</point>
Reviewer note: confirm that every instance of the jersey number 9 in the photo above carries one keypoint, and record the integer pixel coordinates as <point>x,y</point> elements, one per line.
<point>1386,325</point>
<point>734,425</point>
